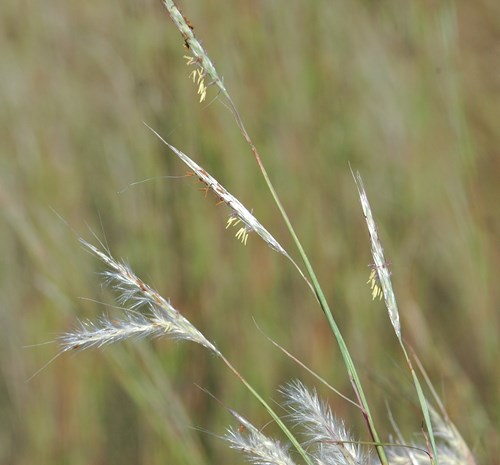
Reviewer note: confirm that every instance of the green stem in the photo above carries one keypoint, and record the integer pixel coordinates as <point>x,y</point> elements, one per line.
<point>423,406</point>
<point>271,412</point>
<point>208,67</point>
<point>318,292</point>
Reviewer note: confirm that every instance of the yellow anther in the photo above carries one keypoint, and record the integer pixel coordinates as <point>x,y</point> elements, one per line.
<point>231,220</point>
<point>242,235</point>
<point>374,286</point>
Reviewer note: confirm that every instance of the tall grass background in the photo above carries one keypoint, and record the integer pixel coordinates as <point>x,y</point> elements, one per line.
<point>408,93</point>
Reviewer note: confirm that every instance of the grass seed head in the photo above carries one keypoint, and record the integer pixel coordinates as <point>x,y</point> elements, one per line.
<point>238,210</point>
<point>199,58</point>
<point>326,435</point>
<point>147,313</point>
<point>257,447</point>
<point>380,277</point>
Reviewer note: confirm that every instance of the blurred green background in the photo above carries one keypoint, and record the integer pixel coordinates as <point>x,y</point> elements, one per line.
<point>407,92</point>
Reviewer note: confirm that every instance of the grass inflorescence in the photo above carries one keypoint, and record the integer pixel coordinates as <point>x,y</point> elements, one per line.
<point>312,433</point>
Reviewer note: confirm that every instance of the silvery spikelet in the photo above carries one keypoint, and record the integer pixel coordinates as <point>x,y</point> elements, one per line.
<point>159,318</point>
<point>238,210</point>
<point>198,57</point>
<point>328,440</point>
<point>384,276</point>
<point>257,447</point>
